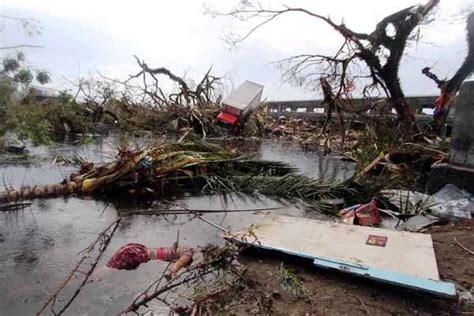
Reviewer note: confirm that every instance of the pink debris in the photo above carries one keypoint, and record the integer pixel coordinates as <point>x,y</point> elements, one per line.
<point>130,256</point>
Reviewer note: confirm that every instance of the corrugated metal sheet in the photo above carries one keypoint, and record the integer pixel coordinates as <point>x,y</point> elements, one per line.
<point>243,95</point>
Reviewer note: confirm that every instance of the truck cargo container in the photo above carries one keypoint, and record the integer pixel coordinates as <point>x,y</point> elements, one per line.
<point>240,103</point>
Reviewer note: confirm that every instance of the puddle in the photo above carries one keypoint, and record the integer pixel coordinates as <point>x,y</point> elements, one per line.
<point>40,245</point>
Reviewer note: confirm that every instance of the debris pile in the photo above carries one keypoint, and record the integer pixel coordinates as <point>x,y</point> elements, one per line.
<point>449,202</point>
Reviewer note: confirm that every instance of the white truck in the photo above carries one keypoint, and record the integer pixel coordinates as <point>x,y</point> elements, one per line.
<point>240,103</point>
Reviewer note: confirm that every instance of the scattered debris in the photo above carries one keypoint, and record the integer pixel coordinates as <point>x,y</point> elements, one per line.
<point>453,202</point>
<point>15,147</point>
<point>463,247</point>
<point>191,163</point>
<point>214,259</point>
<point>465,297</point>
<point>419,222</point>
<point>361,214</point>
<point>74,160</point>
<point>449,202</point>
<point>14,207</point>
<point>409,202</point>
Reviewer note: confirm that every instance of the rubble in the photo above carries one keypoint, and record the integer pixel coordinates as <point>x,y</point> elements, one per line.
<point>449,202</point>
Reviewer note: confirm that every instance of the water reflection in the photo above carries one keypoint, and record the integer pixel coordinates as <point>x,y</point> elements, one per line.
<point>40,245</point>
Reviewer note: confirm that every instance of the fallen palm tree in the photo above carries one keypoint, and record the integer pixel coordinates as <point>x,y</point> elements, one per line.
<point>188,164</point>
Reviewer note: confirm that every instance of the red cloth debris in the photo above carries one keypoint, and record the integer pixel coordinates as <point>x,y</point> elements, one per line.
<point>439,103</point>
<point>129,257</point>
<point>228,118</point>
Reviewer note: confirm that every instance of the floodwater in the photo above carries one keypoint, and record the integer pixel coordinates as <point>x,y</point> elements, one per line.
<point>40,245</point>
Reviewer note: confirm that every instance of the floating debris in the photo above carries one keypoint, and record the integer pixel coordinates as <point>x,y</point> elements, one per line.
<point>130,256</point>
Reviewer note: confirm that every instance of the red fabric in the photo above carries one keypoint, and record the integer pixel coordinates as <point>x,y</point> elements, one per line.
<point>129,257</point>
<point>170,253</point>
<point>226,117</point>
<point>440,100</point>
<point>439,103</point>
<point>161,253</point>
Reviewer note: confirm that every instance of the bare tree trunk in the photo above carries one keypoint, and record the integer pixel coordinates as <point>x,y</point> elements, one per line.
<point>397,97</point>
<point>50,190</point>
<point>329,101</point>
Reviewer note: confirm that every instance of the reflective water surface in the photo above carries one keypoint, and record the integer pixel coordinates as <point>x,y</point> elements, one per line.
<point>41,244</point>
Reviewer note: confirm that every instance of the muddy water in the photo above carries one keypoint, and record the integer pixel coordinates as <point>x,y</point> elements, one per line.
<point>40,245</point>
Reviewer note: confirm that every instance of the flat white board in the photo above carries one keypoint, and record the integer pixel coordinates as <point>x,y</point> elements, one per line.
<point>404,252</point>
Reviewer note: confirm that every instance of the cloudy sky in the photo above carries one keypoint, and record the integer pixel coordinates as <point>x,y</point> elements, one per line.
<point>86,37</point>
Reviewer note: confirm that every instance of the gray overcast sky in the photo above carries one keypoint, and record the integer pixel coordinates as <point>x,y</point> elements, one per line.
<point>82,37</point>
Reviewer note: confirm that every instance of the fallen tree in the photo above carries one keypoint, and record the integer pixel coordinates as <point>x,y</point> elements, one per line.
<point>191,163</point>
<point>138,104</point>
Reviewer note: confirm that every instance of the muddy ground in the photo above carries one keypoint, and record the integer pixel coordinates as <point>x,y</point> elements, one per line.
<point>332,292</point>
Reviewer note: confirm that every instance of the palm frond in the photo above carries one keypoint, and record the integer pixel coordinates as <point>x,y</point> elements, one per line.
<point>296,188</point>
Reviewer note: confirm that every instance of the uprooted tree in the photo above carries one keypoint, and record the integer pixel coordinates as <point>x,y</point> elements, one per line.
<point>203,93</point>
<point>381,51</point>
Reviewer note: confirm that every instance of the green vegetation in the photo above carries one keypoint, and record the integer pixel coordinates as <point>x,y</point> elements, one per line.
<point>15,77</point>
<point>39,121</point>
<point>373,140</point>
<point>292,283</point>
<point>99,106</point>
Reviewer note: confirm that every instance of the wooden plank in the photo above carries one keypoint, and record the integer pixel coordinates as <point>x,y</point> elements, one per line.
<point>407,257</point>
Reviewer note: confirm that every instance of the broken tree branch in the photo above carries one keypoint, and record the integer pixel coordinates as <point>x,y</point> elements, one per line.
<point>22,46</point>
<point>222,257</point>
<point>427,72</point>
<point>463,247</point>
<point>103,238</point>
